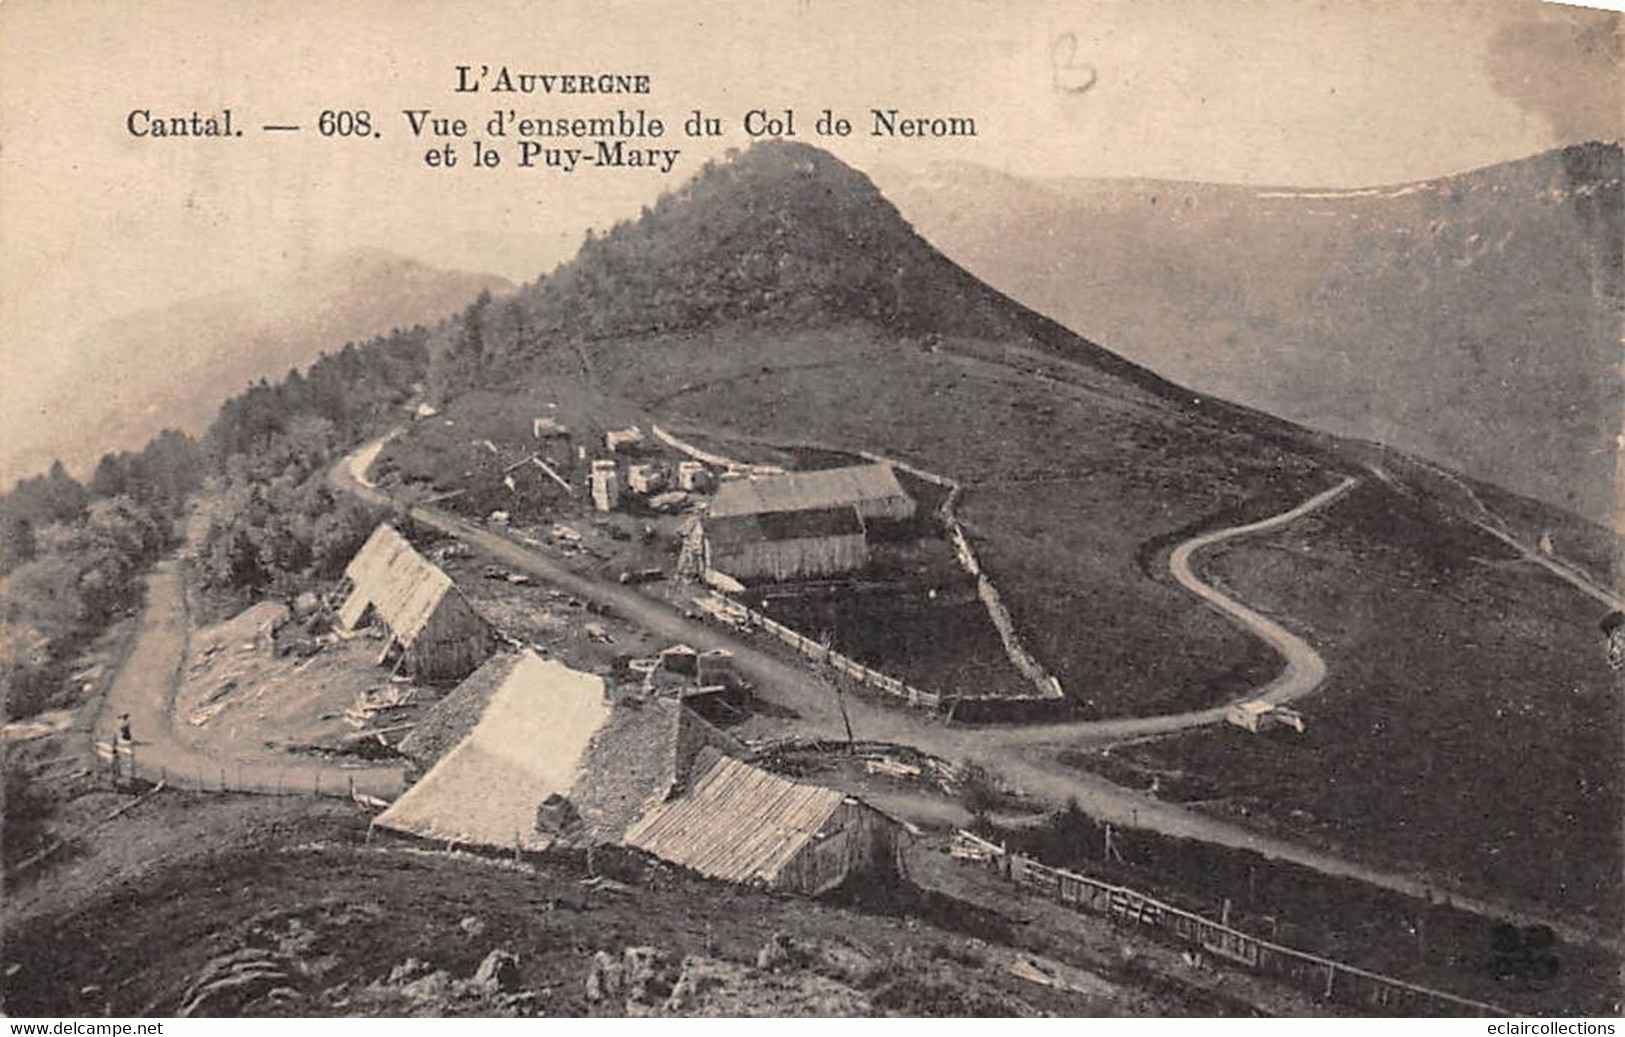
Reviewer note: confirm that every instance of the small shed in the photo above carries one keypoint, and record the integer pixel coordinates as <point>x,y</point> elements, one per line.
<point>606,487</point>
<point>626,440</point>
<point>785,545</point>
<point>439,634</point>
<point>1257,716</point>
<point>694,477</point>
<point>646,478</point>
<point>716,668</point>
<point>742,824</point>
<point>548,428</point>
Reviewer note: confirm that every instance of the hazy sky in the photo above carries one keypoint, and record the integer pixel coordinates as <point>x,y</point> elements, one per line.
<point>94,223</point>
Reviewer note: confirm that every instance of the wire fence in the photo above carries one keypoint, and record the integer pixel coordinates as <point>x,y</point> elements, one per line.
<point>128,763</point>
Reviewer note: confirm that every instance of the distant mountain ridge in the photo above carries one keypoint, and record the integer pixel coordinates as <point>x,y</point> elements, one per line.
<point>127,379</point>
<point>1473,319</point>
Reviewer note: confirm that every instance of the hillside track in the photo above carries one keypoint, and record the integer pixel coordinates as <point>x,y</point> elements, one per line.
<point>1485,518</point>
<point>144,687</point>
<point>1023,754</point>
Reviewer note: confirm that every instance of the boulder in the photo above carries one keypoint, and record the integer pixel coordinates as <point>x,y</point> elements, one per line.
<point>606,977</point>
<point>775,953</point>
<point>499,971</point>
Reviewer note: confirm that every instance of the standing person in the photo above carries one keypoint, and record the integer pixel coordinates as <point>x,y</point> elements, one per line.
<point>122,742</point>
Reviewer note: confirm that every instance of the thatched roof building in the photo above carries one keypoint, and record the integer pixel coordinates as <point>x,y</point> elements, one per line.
<point>528,754</point>
<point>524,732</point>
<point>438,633</point>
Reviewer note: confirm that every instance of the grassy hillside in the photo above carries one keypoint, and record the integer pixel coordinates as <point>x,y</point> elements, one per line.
<point>320,920</point>
<point>1081,473</point>
<point>1469,727</point>
<point>1473,319</point>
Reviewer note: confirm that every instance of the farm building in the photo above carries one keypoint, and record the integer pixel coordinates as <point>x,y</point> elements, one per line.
<point>785,545</point>
<point>524,733</point>
<point>1257,715</point>
<point>528,754</point>
<point>436,630</point>
<point>872,489</point>
<point>742,824</point>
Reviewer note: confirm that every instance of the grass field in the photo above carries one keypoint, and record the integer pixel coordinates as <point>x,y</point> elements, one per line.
<point>342,920</point>
<point>1468,726</point>
<point>1064,481</point>
<point>920,621</point>
<point>1475,732</point>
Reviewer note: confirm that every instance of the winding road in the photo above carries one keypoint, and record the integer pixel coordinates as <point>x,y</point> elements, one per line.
<point>144,686</point>
<point>1024,754</point>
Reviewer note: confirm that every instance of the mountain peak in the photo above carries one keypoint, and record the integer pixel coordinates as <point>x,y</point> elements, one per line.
<point>781,231</point>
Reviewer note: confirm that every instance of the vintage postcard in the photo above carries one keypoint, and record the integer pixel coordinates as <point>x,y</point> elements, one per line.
<point>549,508</point>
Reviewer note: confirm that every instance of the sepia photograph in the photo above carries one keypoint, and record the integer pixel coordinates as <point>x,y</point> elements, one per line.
<point>812,508</point>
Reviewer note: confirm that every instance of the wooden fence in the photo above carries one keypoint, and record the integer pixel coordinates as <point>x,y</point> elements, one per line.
<point>1024,661</point>
<point>1049,693</point>
<point>724,607</point>
<point>1331,980</point>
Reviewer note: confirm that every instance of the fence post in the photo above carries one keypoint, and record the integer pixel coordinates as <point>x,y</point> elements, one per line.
<point>222,779</point>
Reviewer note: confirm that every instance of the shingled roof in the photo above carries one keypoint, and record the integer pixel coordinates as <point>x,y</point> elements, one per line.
<point>808,491</point>
<point>402,586</point>
<point>739,823</point>
<point>644,753</point>
<point>522,729</point>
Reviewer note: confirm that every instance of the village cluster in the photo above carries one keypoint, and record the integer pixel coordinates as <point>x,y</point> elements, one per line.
<point>763,523</point>
<point>527,754</point>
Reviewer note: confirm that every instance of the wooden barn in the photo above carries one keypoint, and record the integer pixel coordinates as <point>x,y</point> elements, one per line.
<point>529,754</point>
<point>437,632</point>
<point>872,489</point>
<point>785,545</point>
<point>742,824</point>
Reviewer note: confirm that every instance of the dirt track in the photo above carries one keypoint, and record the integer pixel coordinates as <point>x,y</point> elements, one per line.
<point>144,687</point>
<point>1024,754</point>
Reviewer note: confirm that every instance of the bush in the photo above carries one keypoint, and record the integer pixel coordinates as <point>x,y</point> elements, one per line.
<point>980,790</point>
